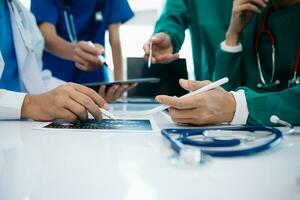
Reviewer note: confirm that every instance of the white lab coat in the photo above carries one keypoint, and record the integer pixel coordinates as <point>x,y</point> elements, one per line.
<point>29,58</point>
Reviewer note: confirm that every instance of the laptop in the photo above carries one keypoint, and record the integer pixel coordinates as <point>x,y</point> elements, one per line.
<point>169,75</point>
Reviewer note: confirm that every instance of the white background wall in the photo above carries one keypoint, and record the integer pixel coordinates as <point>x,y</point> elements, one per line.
<point>135,32</point>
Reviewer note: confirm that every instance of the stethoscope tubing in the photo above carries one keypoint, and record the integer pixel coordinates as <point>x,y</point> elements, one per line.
<point>271,37</point>
<point>70,25</point>
<point>168,133</point>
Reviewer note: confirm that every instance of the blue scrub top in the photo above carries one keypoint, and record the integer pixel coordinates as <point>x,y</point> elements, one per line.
<point>10,77</point>
<point>114,11</point>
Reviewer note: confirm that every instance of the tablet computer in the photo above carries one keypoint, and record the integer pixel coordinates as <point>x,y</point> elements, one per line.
<point>96,85</point>
<point>169,75</point>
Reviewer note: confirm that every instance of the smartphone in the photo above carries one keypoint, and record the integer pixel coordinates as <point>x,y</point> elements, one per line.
<point>96,85</point>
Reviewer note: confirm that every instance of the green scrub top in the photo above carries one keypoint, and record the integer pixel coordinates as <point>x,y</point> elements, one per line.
<point>207,21</point>
<point>242,68</point>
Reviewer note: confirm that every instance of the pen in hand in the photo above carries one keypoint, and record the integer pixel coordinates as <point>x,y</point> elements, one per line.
<point>205,88</point>
<point>160,108</point>
<point>107,114</point>
<point>150,55</point>
<point>100,57</point>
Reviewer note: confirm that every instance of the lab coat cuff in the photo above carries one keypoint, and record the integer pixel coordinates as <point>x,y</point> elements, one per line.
<point>241,108</point>
<point>11,104</point>
<point>231,49</point>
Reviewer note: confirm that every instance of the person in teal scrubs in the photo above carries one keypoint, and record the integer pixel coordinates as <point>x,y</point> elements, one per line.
<point>207,21</point>
<point>261,57</point>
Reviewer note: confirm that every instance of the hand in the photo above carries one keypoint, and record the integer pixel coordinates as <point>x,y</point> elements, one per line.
<point>70,102</point>
<point>162,50</point>
<point>114,92</point>
<point>212,107</point>
<point>85,56</point>
<point>242,13</point>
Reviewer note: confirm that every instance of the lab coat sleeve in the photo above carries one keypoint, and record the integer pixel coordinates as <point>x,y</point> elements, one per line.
<point>174,21</point>
<point>284,104</point>
<point>11,104</point>
<point>229,65</point>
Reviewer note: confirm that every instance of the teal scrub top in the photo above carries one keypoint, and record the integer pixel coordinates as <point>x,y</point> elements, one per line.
<point>207,21</point>
<point>242,68</point>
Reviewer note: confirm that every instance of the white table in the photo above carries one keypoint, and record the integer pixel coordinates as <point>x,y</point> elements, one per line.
<point>43,165</point>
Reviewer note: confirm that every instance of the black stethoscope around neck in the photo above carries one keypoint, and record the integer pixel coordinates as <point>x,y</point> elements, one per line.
<point>265,32</point>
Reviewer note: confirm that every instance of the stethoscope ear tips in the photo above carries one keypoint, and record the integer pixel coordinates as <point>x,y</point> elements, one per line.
<point>274,119</point>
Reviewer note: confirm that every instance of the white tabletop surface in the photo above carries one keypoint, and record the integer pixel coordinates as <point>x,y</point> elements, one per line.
<point>47,165</point>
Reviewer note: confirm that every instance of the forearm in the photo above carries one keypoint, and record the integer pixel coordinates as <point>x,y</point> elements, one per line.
<point>117,60</point>
<point>174,21</point>
<point>64,50</point>
<point>284,104</point>
<point>115,43</point>
<point>229,64</point>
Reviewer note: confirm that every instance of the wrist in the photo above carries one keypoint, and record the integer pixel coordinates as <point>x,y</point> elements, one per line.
<point>25,110</point>
<point>232,38</point>
<point>71,54</point>
<point>118,77</point>
<point>231,107</point>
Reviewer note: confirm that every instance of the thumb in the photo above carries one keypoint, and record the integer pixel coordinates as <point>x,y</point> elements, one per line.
<point>190,85</point>
<point>100,49</point>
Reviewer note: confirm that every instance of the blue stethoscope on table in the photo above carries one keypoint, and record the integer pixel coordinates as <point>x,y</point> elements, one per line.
<point>69,18</point>
<point>192,144</point>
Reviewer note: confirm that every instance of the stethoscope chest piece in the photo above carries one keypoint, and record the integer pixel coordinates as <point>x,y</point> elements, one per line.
<point>189,157</point>
<point>294,81</point>
<point>270,85</point>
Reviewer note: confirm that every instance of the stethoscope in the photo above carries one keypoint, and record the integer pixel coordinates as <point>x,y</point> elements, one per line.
<point>192,144</point>
<point>271,83</point>
<point>70,22</point>
<point>291,129</point>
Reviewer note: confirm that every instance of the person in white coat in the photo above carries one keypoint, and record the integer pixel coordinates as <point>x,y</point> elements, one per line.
<point>25,90</point>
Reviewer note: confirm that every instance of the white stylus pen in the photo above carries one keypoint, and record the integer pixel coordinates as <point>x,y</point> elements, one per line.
<point>100,57</point>
<point>107,114</point>
<point>201,90</point>
<point>150,55</point>
<point>163,107</point>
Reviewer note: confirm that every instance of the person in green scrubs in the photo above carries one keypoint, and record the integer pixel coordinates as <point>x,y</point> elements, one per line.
<point>207,21</point>
<point>264,81</point>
